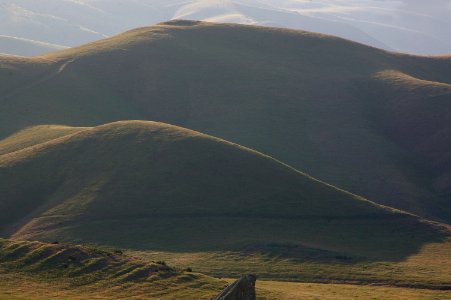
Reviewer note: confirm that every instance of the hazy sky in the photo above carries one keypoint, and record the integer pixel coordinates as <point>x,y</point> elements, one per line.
<point>414,26</point>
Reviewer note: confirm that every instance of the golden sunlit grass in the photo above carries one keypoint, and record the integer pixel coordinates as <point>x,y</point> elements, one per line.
<point>35,135</point>
<point>13,287</point>
<point>33,270</point>
<point>37,271</point>
<point>309,291</point>
<point>430,268</point>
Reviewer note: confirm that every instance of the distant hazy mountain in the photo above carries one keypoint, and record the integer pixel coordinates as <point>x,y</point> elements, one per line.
<point>21,46</point>
<point>405,26</point>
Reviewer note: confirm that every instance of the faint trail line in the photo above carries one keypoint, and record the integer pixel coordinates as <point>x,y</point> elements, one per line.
<point>39,81</point>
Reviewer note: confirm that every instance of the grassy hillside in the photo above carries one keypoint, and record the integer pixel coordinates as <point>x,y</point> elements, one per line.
<point>147,185</point>
<point>368,121</point>
<point>34,136</point>
<point>428,268</point>
<point>303,291</point>
<point>33,270</point>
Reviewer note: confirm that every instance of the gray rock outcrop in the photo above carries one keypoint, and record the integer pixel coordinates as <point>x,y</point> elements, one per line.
<point>242,289</point>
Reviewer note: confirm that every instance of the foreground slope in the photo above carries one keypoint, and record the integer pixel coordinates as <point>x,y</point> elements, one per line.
<point>147,185</point>
<point>368,121</point>
<point>34,270</point>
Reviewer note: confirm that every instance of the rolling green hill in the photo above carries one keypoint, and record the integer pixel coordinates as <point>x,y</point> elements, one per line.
<point>148,185</point>
<point>368,121</point>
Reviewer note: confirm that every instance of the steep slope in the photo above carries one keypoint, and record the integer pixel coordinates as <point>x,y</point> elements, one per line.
<point>320,104</point>
<point>148,185</point>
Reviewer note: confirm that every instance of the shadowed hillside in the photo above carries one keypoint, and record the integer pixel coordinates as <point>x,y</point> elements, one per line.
<point>147,185</point>
<point>348,114</point>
